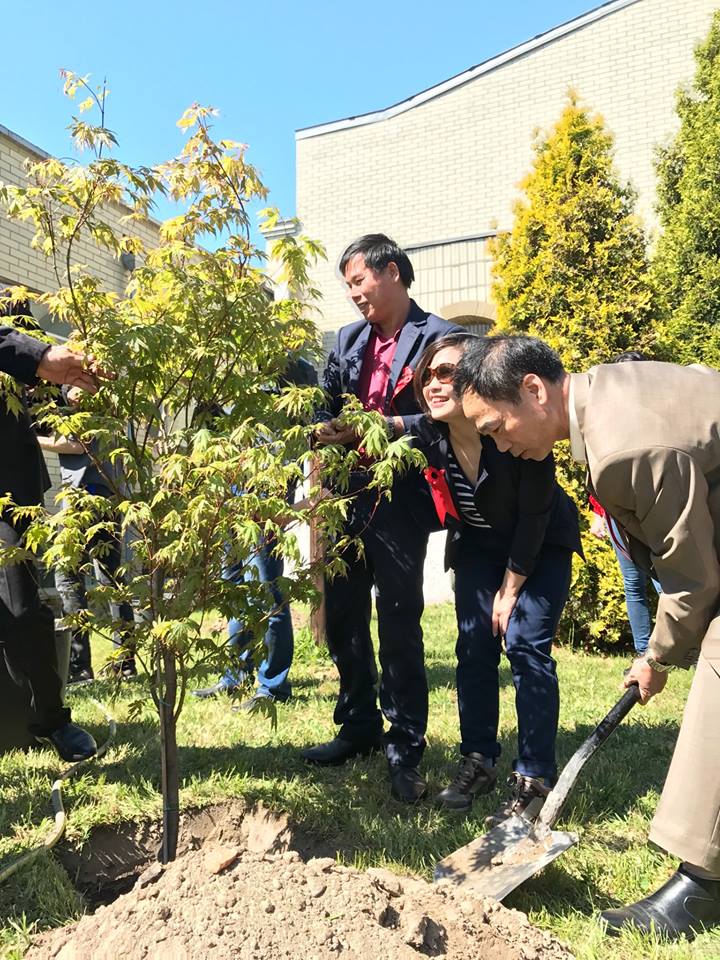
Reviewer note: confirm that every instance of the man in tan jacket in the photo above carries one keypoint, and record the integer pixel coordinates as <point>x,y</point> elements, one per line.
<point>650,435</point>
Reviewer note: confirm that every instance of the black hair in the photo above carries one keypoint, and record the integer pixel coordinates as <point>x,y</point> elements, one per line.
<point>495,367</point>
<point>459,338</point>
<point>378,251</point>
<point>629,355</point>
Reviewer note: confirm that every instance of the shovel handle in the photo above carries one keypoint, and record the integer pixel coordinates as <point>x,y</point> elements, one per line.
<point>566,781</point>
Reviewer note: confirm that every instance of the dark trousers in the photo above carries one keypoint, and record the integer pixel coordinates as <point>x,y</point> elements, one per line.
<point>395,549</point>
<point>27,635</point>
<point>528,645</point>
<point>71,588</point>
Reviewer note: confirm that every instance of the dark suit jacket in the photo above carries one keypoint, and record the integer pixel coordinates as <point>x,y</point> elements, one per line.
<point>342,372</point>
<point>342,375</point>
<point>520,499</point>
<point>22,469</point>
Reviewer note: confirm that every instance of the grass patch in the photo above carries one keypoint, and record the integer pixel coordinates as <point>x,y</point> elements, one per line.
<point>231,755</point>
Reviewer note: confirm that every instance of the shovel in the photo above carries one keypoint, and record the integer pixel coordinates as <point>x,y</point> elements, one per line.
<point>503,858</point>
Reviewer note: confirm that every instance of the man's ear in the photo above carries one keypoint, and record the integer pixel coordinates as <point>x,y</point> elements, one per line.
<point>393,271</point>
<point>536,388</point>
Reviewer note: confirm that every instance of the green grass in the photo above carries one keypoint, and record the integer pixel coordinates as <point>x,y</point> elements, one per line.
<point>228,755</point>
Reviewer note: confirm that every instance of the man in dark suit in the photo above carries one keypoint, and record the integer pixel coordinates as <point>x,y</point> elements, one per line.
<point>27,626</point>
<point>374,359</point>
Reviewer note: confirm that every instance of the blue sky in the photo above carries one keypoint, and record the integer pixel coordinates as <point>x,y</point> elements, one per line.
<point>269,67</point>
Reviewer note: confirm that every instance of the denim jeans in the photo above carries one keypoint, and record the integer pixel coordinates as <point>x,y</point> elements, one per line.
<point>528,645</point>
<point>272,673</point>
<point>635,582</point>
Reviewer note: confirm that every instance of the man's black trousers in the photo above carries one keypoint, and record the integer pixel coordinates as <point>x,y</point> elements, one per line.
<point>394,555</point>
<point>27,635</point>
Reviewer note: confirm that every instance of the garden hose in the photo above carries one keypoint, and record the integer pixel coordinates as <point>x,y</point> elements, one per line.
<point>57,802</point>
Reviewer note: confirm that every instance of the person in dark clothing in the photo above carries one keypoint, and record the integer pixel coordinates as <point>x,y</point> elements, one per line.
<point>511,535</point>
<point>78,470</point>
<point>27,626</point>
<point>374,359</point>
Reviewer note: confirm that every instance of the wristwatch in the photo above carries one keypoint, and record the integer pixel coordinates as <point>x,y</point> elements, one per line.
<point>657,665</point>
<point>390,427</point>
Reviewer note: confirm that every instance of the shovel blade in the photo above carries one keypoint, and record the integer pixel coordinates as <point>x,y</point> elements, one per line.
<point>503,858</point>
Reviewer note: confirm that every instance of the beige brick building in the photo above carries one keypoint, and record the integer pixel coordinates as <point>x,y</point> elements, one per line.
<point>20,264</point>
<point>439,171</point>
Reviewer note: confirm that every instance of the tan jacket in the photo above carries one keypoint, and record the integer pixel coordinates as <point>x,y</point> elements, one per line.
<point>652,439</point>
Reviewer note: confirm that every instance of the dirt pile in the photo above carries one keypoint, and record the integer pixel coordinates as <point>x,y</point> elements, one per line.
<point>245,893</point>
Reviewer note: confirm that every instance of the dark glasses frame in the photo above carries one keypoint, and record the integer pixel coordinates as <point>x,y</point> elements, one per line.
<point>444,372</point>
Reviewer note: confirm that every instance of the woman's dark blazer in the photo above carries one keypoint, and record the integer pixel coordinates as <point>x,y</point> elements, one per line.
<point>520,499</point>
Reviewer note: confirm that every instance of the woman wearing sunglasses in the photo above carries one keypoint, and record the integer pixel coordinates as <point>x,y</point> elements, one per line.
<point>511,535</point>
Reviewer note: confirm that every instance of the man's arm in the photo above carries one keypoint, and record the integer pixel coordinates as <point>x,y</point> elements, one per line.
<point>20,354</point>
<point>667,493</point>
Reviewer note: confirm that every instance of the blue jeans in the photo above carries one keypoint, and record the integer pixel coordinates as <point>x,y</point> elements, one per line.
<point>272,674</point>
<point>528,645</point>
<point>635,582</point>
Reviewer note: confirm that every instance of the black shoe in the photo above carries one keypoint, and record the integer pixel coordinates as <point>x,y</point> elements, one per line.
<point>527,797</point>
<point>80,676</point>
<point>71,742</point>
<point>476,776</point>
<point>408,785</point>
<point>686,904</point>
<point>338,751</point>
<point>222,686</point>
<point>125,669</point>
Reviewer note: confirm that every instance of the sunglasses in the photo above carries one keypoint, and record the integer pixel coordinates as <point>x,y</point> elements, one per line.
<point>444,372</point>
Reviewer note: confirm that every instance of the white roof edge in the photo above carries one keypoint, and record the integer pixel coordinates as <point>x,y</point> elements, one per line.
<point>570,26</point>
<point>22,142</point>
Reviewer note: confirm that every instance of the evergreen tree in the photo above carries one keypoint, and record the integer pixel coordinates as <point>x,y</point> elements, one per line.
<point>686,269</point>
<point>574,271</point>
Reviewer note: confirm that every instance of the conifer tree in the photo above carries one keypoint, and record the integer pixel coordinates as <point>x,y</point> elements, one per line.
<point>686,268</point>
<point>574,271</point>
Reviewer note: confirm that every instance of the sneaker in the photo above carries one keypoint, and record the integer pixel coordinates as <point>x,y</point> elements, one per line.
<point>257,700</point>
<point>85,675</point>
<point>125,669</point>
<point>476,775</point>
<point>222,686</point>
<point>527,797</point>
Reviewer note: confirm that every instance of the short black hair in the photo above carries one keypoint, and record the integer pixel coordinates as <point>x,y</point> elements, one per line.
<point>628,356</point>
<point>495,367</point>
<point>378,251</point>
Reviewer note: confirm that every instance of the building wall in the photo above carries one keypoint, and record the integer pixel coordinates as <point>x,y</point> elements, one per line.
<point>21,264</point>
<point>450,167</point>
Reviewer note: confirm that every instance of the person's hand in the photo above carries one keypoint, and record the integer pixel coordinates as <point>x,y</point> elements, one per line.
<point>597,527</point>
<point>503,606</point>
<point>334,431</point>
<point>60,364</point>
<point>74,396</point>
<point>648,680</point>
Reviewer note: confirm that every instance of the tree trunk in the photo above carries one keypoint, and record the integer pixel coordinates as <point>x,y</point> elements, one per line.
<point>317,554</point>
<point>169,756</point>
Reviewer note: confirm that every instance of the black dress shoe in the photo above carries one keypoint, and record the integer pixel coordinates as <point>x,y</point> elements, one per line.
<point>338,751</point>
<point>71,742</point>
<point>408,785</point>
<point>686,904</point>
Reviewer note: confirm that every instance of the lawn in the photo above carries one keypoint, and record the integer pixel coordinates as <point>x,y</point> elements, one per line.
<point>232,755</point>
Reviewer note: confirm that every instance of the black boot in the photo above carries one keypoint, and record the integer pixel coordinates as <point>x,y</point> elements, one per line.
<point>686,904</point>
<point>476,776</point>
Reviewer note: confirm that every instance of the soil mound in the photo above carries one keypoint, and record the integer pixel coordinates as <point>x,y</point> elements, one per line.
<point>247,894</point>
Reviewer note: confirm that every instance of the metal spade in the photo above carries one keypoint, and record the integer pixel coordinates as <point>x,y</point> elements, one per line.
<point>503,858</point>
